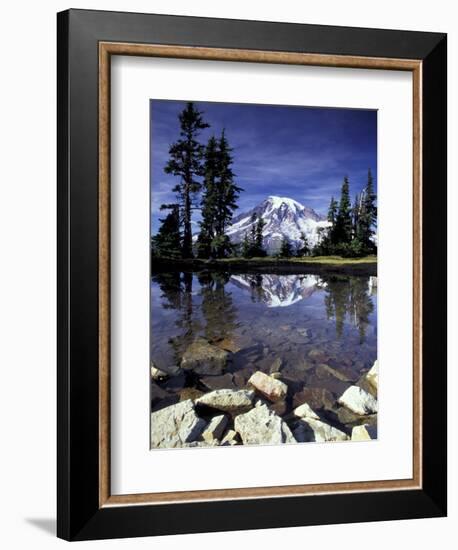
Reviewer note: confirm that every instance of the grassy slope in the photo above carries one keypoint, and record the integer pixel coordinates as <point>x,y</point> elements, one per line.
<point>320,260</point>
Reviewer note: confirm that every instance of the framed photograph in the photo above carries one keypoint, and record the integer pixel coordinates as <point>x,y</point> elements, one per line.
<point>252,274</point>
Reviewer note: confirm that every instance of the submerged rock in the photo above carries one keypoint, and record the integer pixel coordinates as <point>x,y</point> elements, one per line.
<point>260,426</point>
<point>318,355</point>
<point>310,429</point>
<point>273,389</point>
<point>215,428</point>
<point>364,433</point>
<point>324,371</point>
<point>175,425</point>
<point>358,400</point>
<point>224,381</point>
<point>230,344</point>
<point>317,398</point>
<point>276,365</point>
<point>204,358</point>
<point>190,393</point>
<point>157,374</point>
<point>231,401</point>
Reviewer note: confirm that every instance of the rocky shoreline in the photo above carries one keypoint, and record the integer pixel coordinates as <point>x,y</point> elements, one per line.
<point>223,408</point>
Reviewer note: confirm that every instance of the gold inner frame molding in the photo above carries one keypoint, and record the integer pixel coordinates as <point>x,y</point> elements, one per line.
<point>108,49</point>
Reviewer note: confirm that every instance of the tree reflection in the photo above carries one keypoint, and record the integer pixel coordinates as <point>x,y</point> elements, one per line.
<point>176,293</point>
<point>218,310</point>
<point>348,298</point>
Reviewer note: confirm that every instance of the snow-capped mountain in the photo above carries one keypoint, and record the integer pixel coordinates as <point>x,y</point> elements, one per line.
<point>278,290</point>
<point>284,217</point>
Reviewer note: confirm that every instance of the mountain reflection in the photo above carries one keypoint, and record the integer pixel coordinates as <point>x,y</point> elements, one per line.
<point>277,290</point>
<point>204,304</point>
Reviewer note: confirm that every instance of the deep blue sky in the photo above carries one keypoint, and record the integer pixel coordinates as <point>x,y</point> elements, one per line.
<point>298,152</point>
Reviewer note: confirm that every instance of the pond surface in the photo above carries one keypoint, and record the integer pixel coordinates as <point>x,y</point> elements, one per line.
<point>318,332</point>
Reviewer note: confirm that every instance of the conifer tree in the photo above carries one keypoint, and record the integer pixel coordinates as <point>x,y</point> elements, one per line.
<point>209,200</point>
<point>368,214</point>
<point>286,250</point>
<point>246,247</point>
<point>343,224</point>
<point>330,238</point>
<point>259,239</point>
<point>167,242</point>
<point>304,249</point>
<point>227,190</point>
<point>186,163</point>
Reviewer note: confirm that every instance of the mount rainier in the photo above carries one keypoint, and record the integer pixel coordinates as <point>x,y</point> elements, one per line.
<point>283,217</point>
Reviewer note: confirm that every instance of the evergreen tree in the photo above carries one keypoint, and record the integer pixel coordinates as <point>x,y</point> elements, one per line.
<point>186,163</point>
<point>246,247</point>
<point>207,225</point>
<point>259,239</point>
<point>343,224</point>
<point>227,190</point>
<point>286,250</point>
<point>219,199</point>
<point>304,249</point>
<point>355,213</point>
<point>329,237</point>
<point>332,211</point>
<point>368,215</point>
<point>167,242</point>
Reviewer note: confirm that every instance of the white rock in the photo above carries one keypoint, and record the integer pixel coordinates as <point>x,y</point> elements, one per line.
<point>215,428</point>
<point>372,376</point>
<point>363,433</point>
<point>232,401</point>
<point>359,401</point>
<point>229,439</point>
<point>305,411</point>
<point>262,426</point>
<point>316,430</point>
<point>268,386</point>
<point>175,425</point>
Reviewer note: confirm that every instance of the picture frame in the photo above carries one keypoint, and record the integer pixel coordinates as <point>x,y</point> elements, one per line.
<point>86,42</point>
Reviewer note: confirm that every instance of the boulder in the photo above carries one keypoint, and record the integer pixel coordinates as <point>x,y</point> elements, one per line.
<point>372,376</point>
<point>230,438</point>
<point>273,389</point>
<point>176,425</point>
<point>204,358</point>
<point>260,426</point>
<point>358,401</point>
<point>215,428</point>
<point>231,401</point>
<point>363,433</point>
<point>310,429</point>
<point>305,411</point>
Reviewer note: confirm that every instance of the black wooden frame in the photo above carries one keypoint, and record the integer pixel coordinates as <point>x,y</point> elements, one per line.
<point>79,515</point>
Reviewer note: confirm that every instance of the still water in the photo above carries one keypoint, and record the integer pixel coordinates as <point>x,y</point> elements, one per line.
<point>317,332</point>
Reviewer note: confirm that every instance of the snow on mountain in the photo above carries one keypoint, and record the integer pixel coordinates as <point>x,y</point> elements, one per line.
<point>284,217</point>
<point>278,290</point>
